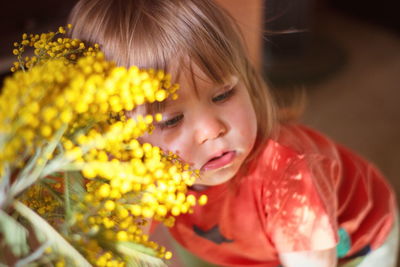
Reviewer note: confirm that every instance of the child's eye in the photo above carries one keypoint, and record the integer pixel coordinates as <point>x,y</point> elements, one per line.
<point>171,122</point>
<point>224,96</point>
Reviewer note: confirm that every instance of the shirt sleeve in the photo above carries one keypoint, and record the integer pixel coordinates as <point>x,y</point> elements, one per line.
<point>301,205</point>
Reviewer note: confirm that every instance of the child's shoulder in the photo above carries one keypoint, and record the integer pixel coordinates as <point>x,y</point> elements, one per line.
<point>295,143</point>
<point>304,141</point>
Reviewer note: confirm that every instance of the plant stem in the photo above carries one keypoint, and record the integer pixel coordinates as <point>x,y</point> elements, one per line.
<point>57,241</point>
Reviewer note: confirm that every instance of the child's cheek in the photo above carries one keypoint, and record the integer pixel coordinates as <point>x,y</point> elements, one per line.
<point>181,144</point>
<point>245,121</point>
<point>174,140</point>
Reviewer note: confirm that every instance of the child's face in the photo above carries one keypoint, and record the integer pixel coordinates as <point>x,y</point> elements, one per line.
<point>212,127</point>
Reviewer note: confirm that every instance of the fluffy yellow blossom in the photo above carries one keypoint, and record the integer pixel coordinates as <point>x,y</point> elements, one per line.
<point>70,151</point>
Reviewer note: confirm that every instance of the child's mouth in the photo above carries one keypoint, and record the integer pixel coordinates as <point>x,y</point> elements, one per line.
<point>220,161</point>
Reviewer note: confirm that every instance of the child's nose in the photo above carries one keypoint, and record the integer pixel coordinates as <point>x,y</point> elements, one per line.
<point>209,128</point>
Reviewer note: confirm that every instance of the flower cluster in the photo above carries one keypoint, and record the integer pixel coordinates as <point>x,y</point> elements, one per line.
<point>70,153</point>
<point>47,46</point>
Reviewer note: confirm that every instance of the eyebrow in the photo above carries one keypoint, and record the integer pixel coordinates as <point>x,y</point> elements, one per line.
<point>157,107</point>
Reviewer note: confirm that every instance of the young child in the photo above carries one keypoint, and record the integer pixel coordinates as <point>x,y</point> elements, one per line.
<point>279,194</point>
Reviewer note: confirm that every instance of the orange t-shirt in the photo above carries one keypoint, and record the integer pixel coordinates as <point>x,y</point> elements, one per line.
<point>297,193</point>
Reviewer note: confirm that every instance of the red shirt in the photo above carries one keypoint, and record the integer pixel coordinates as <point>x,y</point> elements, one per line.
<point>295,195</point>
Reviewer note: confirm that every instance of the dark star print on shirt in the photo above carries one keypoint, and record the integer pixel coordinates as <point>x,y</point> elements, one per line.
<point>214,235</point>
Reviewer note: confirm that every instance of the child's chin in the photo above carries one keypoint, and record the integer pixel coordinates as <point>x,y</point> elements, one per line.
<point>213,182</point>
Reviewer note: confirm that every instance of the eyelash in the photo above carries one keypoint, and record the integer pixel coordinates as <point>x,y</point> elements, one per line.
<point>224,96</point>
<point>177,119</point>
<point>171,122</point>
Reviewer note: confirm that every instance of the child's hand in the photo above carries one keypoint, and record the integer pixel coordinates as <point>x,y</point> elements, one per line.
<point>320,258</point>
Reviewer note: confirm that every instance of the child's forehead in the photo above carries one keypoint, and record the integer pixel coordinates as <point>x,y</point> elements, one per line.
<point>198,83</point>
<point>191,78</point>
<point>189,74</point>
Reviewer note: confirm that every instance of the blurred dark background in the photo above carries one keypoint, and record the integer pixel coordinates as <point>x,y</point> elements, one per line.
<point>299,18</point>
<point>344,53</point>
<point>298,51</point>
<point>290,27</point>
<point>24,16</point>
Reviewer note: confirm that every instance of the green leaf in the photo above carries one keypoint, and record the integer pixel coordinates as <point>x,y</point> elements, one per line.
<point>67,197</point>
<point>138,255</point>
<point>76,185</point>
<point>58,243</point>
<point>31,163</point>
<point>20,184</point>
<point>73,187</point>
<point>15,235</point>
<point>34,170</point>
<point>49,189</point>
<point>4,184</point>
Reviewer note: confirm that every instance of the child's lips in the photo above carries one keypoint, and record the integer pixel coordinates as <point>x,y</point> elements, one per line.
<point>219,162</point>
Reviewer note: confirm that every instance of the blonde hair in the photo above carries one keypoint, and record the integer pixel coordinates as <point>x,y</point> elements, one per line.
<point>153,33</point>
